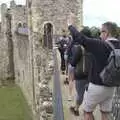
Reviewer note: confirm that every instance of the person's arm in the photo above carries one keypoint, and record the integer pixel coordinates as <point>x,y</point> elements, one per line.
<point>92,45</point>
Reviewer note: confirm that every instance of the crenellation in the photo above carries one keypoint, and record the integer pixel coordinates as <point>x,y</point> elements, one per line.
<point>12,4</point>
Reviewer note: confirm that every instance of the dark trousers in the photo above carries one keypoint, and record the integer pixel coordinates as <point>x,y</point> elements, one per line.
<point>80,86</point>
<point>62,60</point>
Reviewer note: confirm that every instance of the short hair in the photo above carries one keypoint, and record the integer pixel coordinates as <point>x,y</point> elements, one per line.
<point>112,28</point>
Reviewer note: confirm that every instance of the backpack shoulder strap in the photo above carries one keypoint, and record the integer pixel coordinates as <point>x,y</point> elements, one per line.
<point>110,44</point>
<point>83,55</point>
<point>83,49</point>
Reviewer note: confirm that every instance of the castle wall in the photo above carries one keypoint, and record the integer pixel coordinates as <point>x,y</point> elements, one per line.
<point>21,51</point>
<point>55,12</point>
<point>4,61</point>
<point>19,15</point>
<point>31,70</point>
<point>3,18</point>
<point>33,62</point>
<point>41,12</point>
<point>5,72</point>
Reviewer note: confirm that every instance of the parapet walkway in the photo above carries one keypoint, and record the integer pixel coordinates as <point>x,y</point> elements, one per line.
<point>66,104</point>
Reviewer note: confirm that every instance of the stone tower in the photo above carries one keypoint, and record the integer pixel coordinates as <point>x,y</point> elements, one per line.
<point>12,4</point>
<point>49,17</point>
<point>55,12</point>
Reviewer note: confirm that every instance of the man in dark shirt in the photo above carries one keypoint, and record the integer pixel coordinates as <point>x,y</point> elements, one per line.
<point>62,46</point>
<point>97,92</point>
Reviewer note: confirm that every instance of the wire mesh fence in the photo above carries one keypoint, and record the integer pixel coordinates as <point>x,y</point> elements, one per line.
<point>116,104</point>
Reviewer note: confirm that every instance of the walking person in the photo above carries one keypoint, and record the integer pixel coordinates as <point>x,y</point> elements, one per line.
<point>81,63</point>
<point>67,56</point>
<point>98,93</point>
<point>70,81</point>
<point>62,43</point>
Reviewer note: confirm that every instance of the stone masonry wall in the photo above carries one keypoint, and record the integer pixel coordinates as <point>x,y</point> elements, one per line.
<point>5,47</point>
<point>55,12</point>
<point>33,62</point>
<point>22,52</point>
<point>32,67</point>
<point>4,60</point>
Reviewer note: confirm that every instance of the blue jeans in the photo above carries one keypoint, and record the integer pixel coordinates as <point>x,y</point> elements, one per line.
<point>80,88</point>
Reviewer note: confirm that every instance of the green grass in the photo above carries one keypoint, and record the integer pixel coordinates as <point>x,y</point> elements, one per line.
<point>13,105</point>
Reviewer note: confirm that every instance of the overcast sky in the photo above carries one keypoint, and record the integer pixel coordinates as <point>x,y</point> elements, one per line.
<point>95,12</point>
<point>98,11</point>
<point>17,1</point>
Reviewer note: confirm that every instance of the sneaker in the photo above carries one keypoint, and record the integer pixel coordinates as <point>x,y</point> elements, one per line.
<point>66,82</point>
<point>75,112</point>
<point>63,72</point>
<point>66,78</point>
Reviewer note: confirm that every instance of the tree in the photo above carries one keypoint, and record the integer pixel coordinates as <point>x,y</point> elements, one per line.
<point>86,31</point>
<point>118,33</point>
<point>95,32</point>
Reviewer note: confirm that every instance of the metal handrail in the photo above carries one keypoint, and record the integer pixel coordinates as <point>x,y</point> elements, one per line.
<point>116,105</point>
<point>57,97</point>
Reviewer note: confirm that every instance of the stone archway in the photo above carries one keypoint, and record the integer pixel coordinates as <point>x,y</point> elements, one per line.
<point>48,35</point>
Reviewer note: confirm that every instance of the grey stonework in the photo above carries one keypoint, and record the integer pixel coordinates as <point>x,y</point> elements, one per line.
<point>29,36</point>
<point>55,12</point>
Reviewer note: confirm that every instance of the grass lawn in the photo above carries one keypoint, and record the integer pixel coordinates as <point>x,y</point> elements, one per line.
<point>13,105</point>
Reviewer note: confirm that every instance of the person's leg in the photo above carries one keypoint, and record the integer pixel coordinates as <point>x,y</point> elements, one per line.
<point>63,61</point>
<point>60,51</point>
<point>97,95</point>
<point>62,67</point>
<point>66,71</point>
<point>92,97</point>
<point>105,115</point>
<point>88,106</point>
<point>70,87</point>
<point>80,88</point>
<point>71,80</point>
<point>77,105</point>
<point>106,107</point>
<point>88,116</point>
<point>66,67</point>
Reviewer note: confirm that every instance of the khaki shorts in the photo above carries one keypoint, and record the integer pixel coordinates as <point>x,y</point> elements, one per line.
<point>97,94</point>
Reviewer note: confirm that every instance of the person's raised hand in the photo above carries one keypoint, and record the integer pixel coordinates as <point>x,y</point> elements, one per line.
<point>70,19</point>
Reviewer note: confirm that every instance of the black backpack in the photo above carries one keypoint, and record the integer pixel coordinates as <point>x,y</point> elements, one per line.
<point>83,66</point>
<point>110,75</point>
